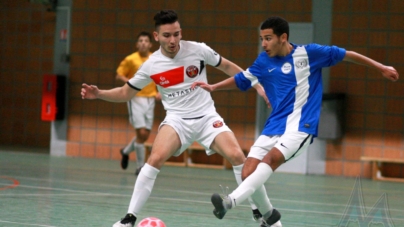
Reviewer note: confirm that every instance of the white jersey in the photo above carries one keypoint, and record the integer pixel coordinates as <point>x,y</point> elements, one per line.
<point>174,77</point>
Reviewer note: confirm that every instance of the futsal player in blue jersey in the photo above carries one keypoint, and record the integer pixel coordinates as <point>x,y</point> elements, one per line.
<point>291,77</point>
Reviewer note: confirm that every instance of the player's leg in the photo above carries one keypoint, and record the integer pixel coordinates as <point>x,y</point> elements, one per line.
<point>261,199</point>
<point>287,147</point>
<point>166,143</point>
<point>218,138</point>
<point>142,136</point>
<point>141,114</point>
<point>130,146</point>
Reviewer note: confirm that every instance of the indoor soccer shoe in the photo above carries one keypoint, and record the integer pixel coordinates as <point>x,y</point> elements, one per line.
<point>257,216</point>
<point>128,221</point>
<point>217,201</point>
<point>276,224</point>
<point>273,221</point>
<point>124,160</point>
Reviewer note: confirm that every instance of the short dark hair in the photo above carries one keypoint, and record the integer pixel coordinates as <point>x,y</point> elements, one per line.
<point>167,16</point>
<point>144,33</point>
<point>277,24</point>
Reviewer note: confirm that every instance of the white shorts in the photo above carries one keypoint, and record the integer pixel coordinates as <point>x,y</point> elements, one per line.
<point>291,144</point>
<point>201,129</point>
<point>141,112</point>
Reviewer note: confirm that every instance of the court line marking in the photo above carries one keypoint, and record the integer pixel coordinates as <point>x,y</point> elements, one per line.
<point>160,189</point>
<point>8,186</point>
<point>19,223</point>
<point>86,193</point>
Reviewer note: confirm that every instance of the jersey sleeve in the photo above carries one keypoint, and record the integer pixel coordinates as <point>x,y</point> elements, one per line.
<point>325,56</point>
<point>211,57</point>
<point>141,78</point>
<point>245,80</point>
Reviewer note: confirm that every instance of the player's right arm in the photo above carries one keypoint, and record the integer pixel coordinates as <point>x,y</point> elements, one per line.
<point>226,84</point>
<point>119,94</point>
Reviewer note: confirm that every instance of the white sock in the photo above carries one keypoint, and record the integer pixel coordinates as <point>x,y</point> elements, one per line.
<point>130,147</point>
<point>237,173</point>
<point>140,153</point>
<point>261,199</point>
<point>251,184</point>
<point>143,187</point>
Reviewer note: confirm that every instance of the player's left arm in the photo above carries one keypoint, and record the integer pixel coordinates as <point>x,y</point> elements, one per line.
<point>387,71</point>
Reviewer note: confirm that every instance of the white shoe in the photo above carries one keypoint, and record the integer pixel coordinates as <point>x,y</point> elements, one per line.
<point>277,224</point>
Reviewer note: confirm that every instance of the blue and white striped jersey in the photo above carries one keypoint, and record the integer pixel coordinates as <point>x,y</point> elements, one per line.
<point>293,85</point>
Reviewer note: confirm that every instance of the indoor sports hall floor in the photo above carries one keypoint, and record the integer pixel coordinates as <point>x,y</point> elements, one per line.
<point>39,190</point>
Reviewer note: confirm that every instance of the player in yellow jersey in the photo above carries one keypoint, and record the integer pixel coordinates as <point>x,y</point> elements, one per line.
<point>141,107</point>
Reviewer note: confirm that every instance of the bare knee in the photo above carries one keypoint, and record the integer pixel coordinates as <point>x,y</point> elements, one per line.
<point>249,167</point>
<point>142,134</point>
<point>274,158</point>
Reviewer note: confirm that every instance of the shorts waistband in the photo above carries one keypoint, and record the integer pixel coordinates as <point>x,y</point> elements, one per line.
<point>193,118</point>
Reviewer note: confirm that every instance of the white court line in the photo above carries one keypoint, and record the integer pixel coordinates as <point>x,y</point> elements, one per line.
<point>22,223</point>
<point>91,193</point>
<point>203,202</point>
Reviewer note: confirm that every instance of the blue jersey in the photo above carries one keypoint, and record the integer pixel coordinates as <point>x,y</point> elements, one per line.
<point>293,85</point>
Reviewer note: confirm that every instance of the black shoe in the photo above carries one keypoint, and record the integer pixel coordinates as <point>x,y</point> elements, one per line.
<point>217,202</point>
<point>138,170</point>
<point>124,160</point>
<point>273,221</point>
<point>257,216</point>
<point>128,221</point>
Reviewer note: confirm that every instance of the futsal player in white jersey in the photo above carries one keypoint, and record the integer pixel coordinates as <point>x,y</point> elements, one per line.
<point>291,77</point>
<point>191,115</point>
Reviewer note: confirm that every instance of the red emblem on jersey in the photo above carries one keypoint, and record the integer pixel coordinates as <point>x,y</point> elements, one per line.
<point>217,124</point>
<point>192,71</point>
<point>170,77</point>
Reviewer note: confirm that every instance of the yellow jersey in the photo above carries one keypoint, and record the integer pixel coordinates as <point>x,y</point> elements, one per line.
<point>129,67</point>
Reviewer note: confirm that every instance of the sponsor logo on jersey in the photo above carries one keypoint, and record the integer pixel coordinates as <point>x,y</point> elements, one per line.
<point>301,63</point>
<point>192,71</point>
<point>217,124</point>
<point>180,93</point>
<point>169,78</point>
<point>286,68</point>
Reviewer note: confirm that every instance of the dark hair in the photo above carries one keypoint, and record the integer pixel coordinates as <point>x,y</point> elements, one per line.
<point>167,16</point>
<point>277,24</point>
<point>143,33</point>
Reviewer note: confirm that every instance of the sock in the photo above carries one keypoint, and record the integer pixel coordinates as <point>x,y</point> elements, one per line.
<point>130,147</point>
<point>140,153</point>
<point>237,173</point>
<point>251,184</point>
<point>261,199</point>
<point>143,187</point>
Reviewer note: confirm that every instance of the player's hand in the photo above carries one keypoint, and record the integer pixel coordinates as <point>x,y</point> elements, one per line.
<point>203,85</point>
<point>390,73</point>
<point>261,92</point>
<point>89,91</point>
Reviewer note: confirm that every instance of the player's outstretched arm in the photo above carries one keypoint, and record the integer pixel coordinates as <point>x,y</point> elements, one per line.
<point>232,69</point>
<point>226,84</point>
<point>119,94</point>
<point>387,71</point>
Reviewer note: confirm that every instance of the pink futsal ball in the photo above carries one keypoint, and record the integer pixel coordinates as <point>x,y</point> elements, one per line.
<point>151,222</point>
